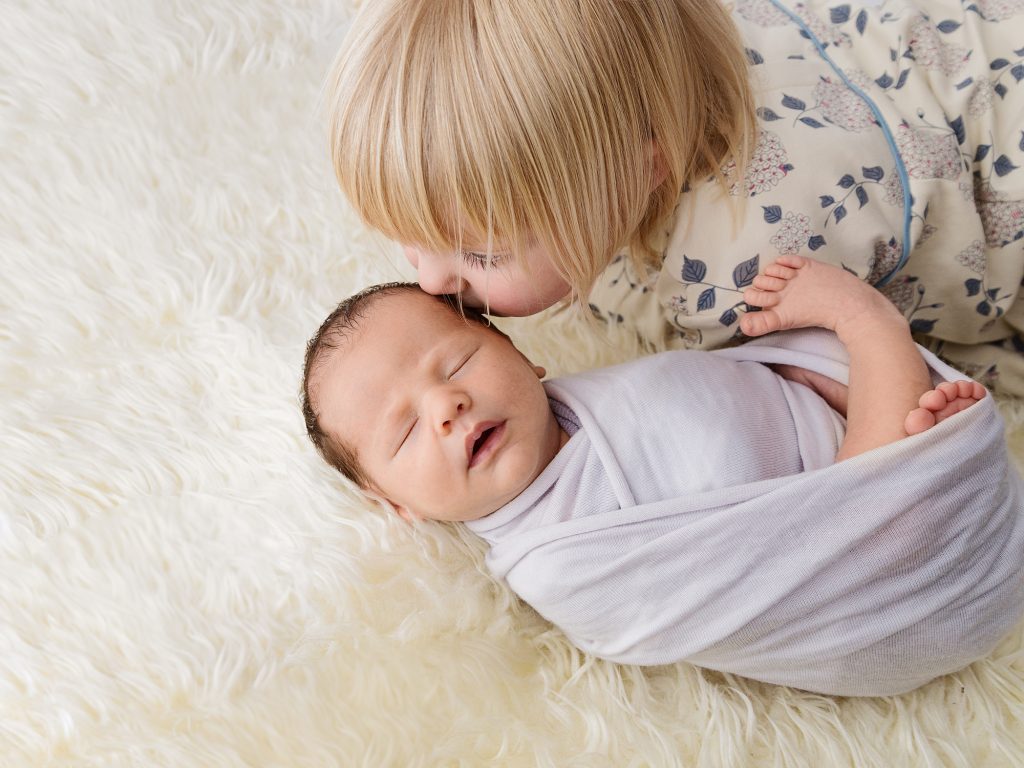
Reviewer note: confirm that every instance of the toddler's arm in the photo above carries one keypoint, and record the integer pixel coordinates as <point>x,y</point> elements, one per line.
<point>890,393</point>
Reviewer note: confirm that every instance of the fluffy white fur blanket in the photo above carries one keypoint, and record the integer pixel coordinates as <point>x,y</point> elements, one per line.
<point>181,582</point>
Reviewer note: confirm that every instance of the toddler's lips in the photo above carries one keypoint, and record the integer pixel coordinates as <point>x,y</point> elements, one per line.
<point>483,440</point>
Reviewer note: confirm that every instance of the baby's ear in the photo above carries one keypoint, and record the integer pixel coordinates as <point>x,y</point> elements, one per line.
<point>389,505</point>
<point>540,370</point>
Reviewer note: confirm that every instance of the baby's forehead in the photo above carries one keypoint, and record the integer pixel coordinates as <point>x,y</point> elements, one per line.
<point>391,318</point>
<point>384,341</point>
<point>439,316</point>
<point>415,302</point>
<point>394,329</point>
<point>414,313</point>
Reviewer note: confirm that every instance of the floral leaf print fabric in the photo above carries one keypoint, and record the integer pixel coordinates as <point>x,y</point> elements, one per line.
<point>768,167</point>
<point>891,142</point>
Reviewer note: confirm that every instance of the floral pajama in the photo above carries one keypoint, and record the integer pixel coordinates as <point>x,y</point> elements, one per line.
<point>891,142</point>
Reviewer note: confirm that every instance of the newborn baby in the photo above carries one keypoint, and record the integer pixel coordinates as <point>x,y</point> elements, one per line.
<point>651,533</point>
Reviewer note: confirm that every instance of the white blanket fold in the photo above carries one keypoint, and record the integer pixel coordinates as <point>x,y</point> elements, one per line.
<point>866,577</point>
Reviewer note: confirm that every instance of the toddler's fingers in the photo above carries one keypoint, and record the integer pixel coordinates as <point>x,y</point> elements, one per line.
<point>769,283</point>
<point>791,260</point>
<point>780,270</point>
<point>760,298</point>
<point>759,323</point>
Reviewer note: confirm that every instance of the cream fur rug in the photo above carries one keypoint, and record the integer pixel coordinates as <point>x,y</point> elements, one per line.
<point>182,583</point>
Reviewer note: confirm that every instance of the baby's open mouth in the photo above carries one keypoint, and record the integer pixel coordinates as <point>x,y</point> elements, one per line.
<point>483,441</point>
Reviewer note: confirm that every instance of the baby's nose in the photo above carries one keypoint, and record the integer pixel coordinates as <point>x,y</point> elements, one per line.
<point>448,423</point>
<point>445,404</point>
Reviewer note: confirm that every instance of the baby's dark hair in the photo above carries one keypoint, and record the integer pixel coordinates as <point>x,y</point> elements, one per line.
<point>332,334</point>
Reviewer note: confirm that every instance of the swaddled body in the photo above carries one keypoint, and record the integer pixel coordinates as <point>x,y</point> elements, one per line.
<point>707,523</point>
<point>700,510</point>
<point>668,426</point>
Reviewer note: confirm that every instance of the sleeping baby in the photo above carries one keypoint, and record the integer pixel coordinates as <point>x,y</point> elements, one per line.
<point>802,510</point>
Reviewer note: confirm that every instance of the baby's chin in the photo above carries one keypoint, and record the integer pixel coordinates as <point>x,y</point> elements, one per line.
<point>493,506</point>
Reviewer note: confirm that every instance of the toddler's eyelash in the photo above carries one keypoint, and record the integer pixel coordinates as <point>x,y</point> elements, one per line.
<point>475,259</point>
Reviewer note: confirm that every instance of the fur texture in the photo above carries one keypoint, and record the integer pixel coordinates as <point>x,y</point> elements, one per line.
<point>182,582</point>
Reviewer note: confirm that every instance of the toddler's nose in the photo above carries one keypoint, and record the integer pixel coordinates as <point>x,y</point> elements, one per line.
<point>437,274</point>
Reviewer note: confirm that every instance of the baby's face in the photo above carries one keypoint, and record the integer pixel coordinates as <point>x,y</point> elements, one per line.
<point>448,419</point>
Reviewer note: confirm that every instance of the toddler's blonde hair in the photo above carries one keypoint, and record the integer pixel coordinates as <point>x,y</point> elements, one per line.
<point>531,123</point>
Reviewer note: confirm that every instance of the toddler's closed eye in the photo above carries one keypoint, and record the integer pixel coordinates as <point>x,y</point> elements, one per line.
<point>476,259</point>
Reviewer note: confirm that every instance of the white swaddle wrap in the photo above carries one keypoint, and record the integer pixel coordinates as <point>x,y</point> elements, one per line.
<point>696,515</point>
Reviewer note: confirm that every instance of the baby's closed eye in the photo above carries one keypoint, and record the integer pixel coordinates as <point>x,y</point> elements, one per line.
<point>406,434</point>
<point>461,361</point>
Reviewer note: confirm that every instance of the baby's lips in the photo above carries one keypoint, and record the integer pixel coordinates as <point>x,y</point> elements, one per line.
<point>475,434</point>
